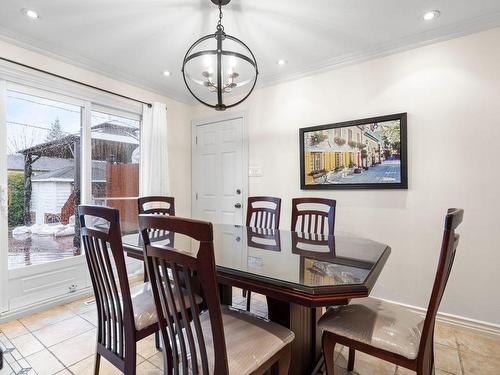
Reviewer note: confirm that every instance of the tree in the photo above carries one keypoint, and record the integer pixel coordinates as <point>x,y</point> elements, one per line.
<point>15,183</point>
<point>55,131</point>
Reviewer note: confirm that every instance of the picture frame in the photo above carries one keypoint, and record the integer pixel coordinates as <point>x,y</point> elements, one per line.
<point>369,153</point>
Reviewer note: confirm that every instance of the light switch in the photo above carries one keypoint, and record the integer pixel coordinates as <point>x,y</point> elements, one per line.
<point>255,172</point>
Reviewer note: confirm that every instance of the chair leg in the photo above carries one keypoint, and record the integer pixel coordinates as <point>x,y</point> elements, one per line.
<point>249,296</point>
<point>350,362</point>
<point>284,360</point>
<point>244,293</point>
<point>328,350</point>
<point>97,363</point>
<point>131,360</point>
<point>157,340</point>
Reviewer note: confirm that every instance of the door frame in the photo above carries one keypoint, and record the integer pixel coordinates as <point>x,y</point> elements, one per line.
<point>244,154</point>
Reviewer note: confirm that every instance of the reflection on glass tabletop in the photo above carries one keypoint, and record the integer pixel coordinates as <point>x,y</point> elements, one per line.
<point>295,260</point>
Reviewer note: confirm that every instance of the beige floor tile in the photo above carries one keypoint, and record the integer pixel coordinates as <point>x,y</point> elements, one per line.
<point>64,372</point>
<point>44,363</point>
<point>404,371</point>
<point>27,344</point>
<point>41,319</point>
<point>80,307</point>
<point>477,343</point>
<point>55,333</point>
<point>476,364</point>
<point>447,359</point>
<point>86,366</point>
<point>157,360</point>
<point>146,347</point>
<point>365,364</point>
<point>76,348</point>
<point>13,329</point>
<point>444,334</point>
<point>90,316</point>
<point>147,368</point>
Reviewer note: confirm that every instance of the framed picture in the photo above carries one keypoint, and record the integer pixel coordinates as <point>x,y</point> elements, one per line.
<point>369,153</point>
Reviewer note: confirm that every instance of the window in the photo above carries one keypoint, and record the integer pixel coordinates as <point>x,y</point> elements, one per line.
<point>49,166</point>
<point>43,156</point>
<point>115,165</point>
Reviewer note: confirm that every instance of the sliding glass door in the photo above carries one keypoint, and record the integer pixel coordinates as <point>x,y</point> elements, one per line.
<point>57,152</point>
<point>43,178</point>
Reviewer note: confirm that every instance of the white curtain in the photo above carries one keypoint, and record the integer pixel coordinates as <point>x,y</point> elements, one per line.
<point>154,178</point>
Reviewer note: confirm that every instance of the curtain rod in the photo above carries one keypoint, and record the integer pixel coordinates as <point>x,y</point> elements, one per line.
<point>75,81</point>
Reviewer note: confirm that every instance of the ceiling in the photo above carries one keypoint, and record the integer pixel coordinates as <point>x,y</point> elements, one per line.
<point>136,40</point>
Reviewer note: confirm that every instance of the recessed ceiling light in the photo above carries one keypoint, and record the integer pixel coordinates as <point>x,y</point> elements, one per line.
<point>166,73</point>
<point>30,13</point>
<point>282,62</point>
<point>430,15</point>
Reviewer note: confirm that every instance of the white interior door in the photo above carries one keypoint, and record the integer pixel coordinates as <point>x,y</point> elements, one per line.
<point>219,184</point>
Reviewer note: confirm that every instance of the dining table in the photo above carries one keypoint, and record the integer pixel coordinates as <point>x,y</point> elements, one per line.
<point>300,274</point>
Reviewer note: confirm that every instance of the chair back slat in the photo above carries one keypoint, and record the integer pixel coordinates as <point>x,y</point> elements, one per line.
<point>446,258</point>
<point>106,262</point>
<point>181,325</point>
<point>318,220</point>
<point>263,212</point>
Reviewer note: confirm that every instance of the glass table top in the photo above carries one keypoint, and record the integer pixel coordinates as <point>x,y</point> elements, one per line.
<point>296,260</point>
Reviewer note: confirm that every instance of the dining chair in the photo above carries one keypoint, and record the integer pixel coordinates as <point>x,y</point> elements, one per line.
<point>263,213</point>
<point>220,340</point>
<point>160,205</point>
<point>125,314</point>
<point>156,204</point>
<point>389,331</point>
<point>313,215</point>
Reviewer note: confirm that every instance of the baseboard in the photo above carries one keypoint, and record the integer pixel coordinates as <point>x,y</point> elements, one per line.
<point>44,305</point>
<point>134,278</point>
<point>478,326</point>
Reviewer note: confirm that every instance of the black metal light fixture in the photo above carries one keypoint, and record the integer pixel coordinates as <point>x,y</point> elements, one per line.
<point>217,65</point>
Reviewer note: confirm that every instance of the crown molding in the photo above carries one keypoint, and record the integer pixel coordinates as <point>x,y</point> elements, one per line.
<point>107,70</point>
<point>425,38</point>
<point>411,42</point>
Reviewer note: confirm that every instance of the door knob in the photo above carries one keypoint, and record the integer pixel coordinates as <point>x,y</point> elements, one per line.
<point>237,205</point>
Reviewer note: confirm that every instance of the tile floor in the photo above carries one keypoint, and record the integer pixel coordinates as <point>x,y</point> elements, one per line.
<point>61,341</point>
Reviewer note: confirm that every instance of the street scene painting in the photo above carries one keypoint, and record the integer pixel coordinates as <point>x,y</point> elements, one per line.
<point>368,153</point>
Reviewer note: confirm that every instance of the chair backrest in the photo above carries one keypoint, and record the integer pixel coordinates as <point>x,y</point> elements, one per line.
<point>449,245</point>
<point>156,204</point>
<point>263,212</point>
<point>313,215</point>
<point>182,331</point>
<point>160,205</point>
<point>101,235</point>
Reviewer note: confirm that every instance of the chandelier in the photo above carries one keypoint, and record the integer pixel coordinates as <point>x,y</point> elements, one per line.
<point>219,70</point>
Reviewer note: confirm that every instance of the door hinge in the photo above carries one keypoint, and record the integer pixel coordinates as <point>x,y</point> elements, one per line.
<point>196,195</point>
<point>196,140</point>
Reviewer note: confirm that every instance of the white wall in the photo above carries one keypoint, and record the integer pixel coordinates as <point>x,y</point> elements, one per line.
<point>451,91</point>
<point>178,115</point>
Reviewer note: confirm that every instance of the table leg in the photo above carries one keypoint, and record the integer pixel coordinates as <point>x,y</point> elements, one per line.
<point>306,348</point>
<point>226,294</point>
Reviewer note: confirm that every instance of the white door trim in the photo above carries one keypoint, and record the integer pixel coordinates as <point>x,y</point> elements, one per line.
<point>244,153</point>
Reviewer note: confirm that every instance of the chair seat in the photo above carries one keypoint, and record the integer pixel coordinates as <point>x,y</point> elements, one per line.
<point>380,324</point>
<point>250,340</point>
<point>144,305</point>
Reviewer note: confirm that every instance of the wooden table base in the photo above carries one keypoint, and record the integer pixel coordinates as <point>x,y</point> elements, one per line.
<point>306,348</point>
